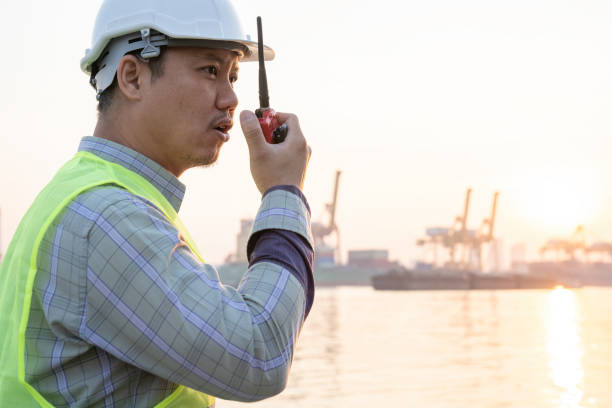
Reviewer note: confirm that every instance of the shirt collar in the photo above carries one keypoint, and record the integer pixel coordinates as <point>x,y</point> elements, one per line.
<point>162,179</point>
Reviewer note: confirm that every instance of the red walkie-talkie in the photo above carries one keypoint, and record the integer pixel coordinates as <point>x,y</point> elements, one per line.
<point>266,115</point>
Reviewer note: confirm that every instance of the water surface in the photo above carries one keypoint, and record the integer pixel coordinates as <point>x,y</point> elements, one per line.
<point>456,349</point>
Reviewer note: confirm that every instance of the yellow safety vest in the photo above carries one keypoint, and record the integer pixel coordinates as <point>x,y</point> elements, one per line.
<point>18,271</point>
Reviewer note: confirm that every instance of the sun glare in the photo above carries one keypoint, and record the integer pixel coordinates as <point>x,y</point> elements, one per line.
<point>559,199</point>
<point>565,348</point>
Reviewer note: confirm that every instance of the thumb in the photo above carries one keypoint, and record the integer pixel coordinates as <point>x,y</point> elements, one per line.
<point>252,130</point>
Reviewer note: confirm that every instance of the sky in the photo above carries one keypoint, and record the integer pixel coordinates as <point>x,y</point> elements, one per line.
<point>413,101</point>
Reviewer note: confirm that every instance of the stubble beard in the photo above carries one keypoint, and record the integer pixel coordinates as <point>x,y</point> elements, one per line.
<point>202,161</point>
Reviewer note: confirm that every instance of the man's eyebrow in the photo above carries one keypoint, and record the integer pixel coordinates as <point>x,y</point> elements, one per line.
<point>216,58</point>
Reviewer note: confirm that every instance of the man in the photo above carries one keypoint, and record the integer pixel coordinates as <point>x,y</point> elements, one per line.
<point>105,300</point>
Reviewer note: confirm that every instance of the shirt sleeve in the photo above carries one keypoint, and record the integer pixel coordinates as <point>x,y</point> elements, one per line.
<point>279,239</point>
<point>151,303</point>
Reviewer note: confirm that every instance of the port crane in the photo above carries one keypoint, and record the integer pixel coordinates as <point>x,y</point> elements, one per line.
<point>450,238</point>
<point>567,246</point>
<point>460,241</point>
<point>601,247</point>
<point>580,242</point>
<point>485,234</point>
<point>321,231</point>
<point>461,236</point>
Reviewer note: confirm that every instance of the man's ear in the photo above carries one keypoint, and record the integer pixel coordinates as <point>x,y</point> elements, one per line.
<point>130,77</point>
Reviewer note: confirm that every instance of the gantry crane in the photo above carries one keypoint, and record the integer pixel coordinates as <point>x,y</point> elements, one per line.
<point>320,231</point>
<point>569,247</point>
<point>582,241</point>
<point>453,238</point>
<point>459,239</point>
<point>485,234</point>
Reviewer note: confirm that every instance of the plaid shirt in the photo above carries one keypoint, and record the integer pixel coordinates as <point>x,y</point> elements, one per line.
<point>122,311</point>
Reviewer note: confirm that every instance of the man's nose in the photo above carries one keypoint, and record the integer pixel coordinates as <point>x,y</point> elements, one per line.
<point>227,98</point>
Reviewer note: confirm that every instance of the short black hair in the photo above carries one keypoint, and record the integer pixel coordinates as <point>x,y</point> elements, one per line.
<point>156,65</point>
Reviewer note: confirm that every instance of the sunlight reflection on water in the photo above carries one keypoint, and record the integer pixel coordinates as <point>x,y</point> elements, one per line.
<point>565,347</point>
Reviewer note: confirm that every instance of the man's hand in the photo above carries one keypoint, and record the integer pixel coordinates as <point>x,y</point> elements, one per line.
<point>274,164</point>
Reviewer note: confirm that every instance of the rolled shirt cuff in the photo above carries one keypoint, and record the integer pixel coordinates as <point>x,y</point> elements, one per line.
<point>282,207</point>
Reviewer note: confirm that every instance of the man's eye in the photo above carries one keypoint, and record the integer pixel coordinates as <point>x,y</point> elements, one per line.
<point>210,69</point>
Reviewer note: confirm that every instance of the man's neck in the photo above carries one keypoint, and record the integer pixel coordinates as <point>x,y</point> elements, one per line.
<point>119,132</point>
<point>113,131</point>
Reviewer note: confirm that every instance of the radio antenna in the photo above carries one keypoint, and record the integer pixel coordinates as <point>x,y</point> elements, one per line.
<point>264,98</point>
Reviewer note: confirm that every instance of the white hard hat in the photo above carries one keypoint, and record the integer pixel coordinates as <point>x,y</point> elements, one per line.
<point>124,26</point>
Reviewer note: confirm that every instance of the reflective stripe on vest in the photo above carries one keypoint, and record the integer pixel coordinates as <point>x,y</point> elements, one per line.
<point>18,270</point>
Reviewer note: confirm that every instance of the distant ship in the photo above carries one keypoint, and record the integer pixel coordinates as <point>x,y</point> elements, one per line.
<point>539,275</point>
<point>573,272</point>
<point>453,279</point>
